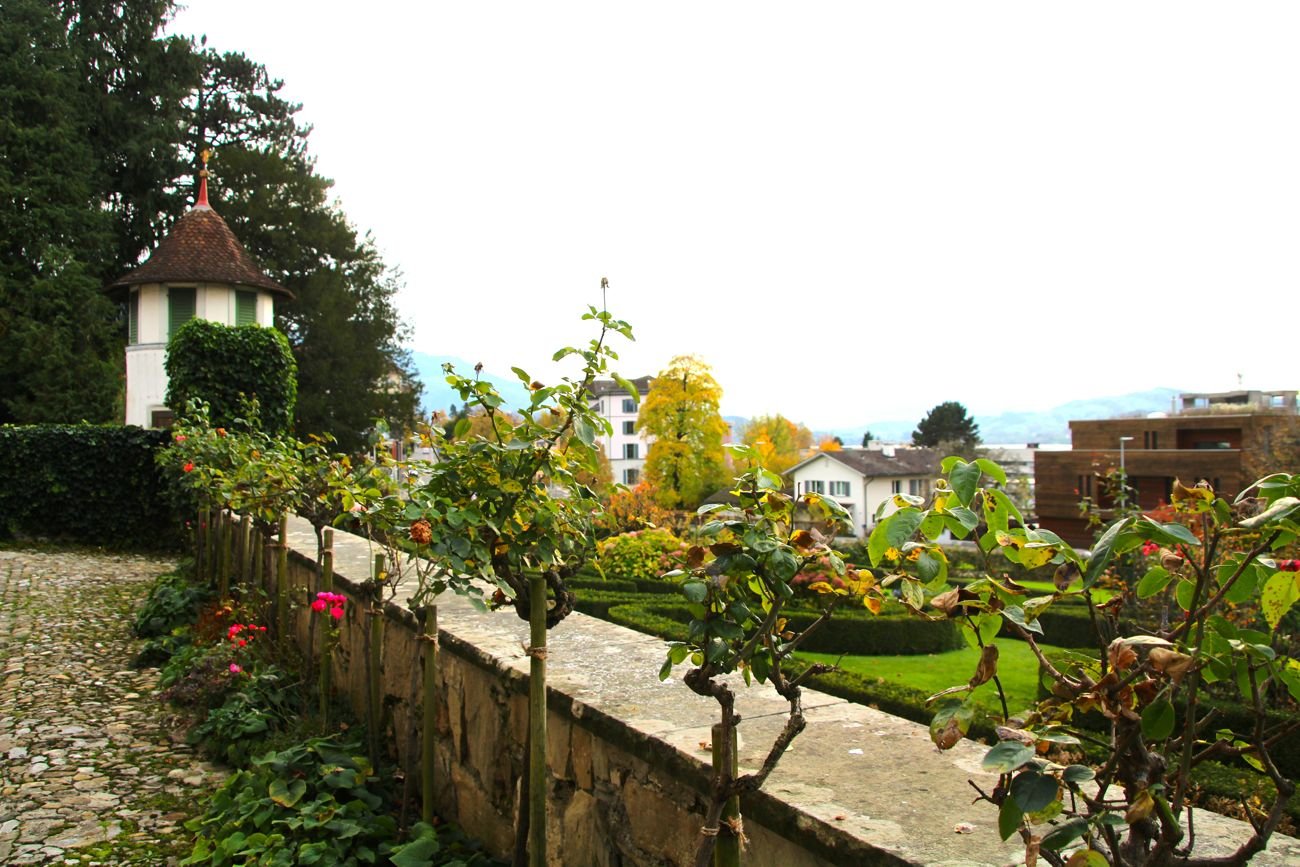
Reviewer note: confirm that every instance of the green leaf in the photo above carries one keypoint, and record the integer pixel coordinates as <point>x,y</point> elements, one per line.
<point>286,795</point>
<point>1158,720</point>
<point>1279,594</point>
<point>584,430</point>
<point>1065,834</point>
<point>1006,757</point>
<point>1033,791</point>
<point>990,624</point>
<point>1183,593</point>
<point>893,532</point>
<point>628,387</point>
<point>965,480</point>
<point>695,591</point>
<point>1078,774</point>
<point>1088,858</point>
<point>1103,551</point>
<point>1153,582</point>
<point>1281,508</point>
<point>1016,615</point>
<point>666,669</point>
<point>1009,818</point>
<point>992,470</point>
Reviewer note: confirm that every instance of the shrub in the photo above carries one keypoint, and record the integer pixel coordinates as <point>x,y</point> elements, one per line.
<point>227,366</point>
<point>257,707</point>
<point>644,554</point>
<point>172,602</point>
<point>90,484</point>
<point>849,632</point>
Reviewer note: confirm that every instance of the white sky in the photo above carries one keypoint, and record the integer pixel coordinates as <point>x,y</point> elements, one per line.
<point>845,208</point>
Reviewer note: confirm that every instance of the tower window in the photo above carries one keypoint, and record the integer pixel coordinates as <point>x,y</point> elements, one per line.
<point>180,309</point>
<point>245,307</point>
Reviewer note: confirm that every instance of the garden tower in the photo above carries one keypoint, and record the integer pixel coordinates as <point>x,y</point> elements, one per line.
<point>198,270</point>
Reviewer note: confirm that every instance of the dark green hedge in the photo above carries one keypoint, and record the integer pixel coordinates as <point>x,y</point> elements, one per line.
<point>225,365</point>
<point>91,484</point>
<point>849,632</point>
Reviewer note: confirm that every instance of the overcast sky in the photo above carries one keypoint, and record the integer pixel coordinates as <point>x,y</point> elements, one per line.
<point>853,211</point>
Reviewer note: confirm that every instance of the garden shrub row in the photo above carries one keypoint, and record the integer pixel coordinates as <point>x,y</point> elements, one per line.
<point>848,632</point>
<point>88,484</point>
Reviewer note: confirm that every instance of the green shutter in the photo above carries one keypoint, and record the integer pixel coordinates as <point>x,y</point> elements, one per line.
<point>133,318</point>
<point>245,308</point>
<point>180,309</point>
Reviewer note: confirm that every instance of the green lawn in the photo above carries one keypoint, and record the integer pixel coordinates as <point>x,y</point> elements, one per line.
<point>1017,669</point>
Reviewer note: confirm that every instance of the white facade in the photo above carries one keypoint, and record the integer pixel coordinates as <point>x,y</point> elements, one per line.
<point>146,351</point>
<point>626,448</point>
<point>860,488</point>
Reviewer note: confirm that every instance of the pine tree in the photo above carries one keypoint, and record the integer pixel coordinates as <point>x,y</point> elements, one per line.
<point>947,423</point>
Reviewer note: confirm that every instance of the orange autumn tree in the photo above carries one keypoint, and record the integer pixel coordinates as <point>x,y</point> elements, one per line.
<point>779,442</point>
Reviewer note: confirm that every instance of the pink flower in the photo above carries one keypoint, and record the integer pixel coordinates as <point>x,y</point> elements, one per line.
<point>337,613</point>
<point>180,438</point>
<point>319,605</point>
<point>235,669</point>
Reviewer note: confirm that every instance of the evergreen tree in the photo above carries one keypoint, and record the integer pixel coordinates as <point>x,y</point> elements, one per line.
<point>947,423</point>
<point>685,462</point>
<point>61,354</point>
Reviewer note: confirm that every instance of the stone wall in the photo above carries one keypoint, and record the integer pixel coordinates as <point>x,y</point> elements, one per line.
<point>628,754</point>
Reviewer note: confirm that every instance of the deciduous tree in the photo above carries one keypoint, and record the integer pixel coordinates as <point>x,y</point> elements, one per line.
<point>686,462</point>
<point>779,442</point>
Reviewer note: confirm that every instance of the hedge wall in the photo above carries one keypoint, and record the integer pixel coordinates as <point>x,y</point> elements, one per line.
<point>849,632</point>
<point>91,484</point>
<point>225,365</point>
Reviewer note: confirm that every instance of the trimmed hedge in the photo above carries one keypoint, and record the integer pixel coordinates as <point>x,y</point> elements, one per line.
<point>225,365</point>
<point>90,484</point>
<point>848,632</point>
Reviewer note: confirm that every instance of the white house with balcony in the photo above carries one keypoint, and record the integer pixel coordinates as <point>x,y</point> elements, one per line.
<point>862,480</point>
<point>198,270</point>
<point>625,447</point>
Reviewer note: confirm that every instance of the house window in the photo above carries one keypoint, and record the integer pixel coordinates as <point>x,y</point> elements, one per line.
<point>133,318</point>
<point>896,486</point>
<point>629,427</point>
<point>631,451</point>
<point>839,489</point>
<point>630,476</point>
<point>916,487</point>
<point>245,307</point>
<point>180,309</point>
<point>814,487</point>
<point>629,405</point>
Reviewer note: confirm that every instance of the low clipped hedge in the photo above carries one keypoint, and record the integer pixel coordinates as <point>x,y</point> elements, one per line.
<point>849,632</point>
<point>89,484</point>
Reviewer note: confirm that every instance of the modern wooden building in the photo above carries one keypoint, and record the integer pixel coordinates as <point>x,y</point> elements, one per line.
<point>1228,443</point>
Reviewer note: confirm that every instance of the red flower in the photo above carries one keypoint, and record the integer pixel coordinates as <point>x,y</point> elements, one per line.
<point>1149,548</point>
<point>189,467</point>
<point>319,605</point>
<point>337,613</point>
<point>1289,565</point>
<point>180,438</point>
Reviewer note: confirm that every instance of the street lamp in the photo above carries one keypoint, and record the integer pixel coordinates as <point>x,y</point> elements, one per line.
<point>1123,475</point>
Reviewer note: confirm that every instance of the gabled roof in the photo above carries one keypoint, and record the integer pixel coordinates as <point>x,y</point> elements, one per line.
<point>872,462</point>
<point>200,248</point>
<point>602,387</point>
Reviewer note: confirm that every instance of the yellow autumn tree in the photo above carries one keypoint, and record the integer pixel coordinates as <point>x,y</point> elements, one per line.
<point>779,441</point>
<point>686,462</point>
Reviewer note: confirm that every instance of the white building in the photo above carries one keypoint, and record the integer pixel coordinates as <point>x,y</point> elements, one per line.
<point>625,448</point>
<point>198,270</point>
<point>861,480</point>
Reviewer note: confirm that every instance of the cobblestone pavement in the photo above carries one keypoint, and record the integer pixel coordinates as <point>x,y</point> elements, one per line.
<point>88,772</point>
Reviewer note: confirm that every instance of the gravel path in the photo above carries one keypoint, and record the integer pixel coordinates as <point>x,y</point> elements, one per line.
<point>88,772</point>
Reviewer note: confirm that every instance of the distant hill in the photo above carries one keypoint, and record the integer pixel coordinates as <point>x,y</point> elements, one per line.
<point>1047,426</point>
<point>438,395</point>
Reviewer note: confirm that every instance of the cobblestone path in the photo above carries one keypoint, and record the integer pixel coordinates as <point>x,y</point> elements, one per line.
<point>88,772</point>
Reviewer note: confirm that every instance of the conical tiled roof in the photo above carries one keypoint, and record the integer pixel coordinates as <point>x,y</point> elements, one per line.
<point>200,248</point>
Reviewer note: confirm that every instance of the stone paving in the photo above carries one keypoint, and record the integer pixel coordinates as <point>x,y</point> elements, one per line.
<point>89,770</point>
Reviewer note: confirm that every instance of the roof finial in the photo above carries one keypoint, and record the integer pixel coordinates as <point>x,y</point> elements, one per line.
<point>202,201</point>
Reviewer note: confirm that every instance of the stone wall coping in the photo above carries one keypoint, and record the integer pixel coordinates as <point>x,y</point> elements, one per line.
<point>857,783</point>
